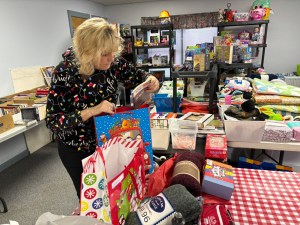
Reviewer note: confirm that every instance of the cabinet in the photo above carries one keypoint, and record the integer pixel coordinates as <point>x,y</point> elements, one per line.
<point>145,38</point>
<point>245,25</point>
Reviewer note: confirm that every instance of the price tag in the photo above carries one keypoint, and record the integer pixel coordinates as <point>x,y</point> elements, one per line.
<point>156,210</point>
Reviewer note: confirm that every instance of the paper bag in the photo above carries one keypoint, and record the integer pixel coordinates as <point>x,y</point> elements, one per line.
<point>129,124</point>
<point>113,180</point>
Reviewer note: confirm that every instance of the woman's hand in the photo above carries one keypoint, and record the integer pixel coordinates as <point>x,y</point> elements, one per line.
<point>103,107</point>
<point>153,84</point>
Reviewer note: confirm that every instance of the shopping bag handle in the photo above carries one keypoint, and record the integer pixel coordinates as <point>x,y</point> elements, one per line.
<point>134,180</point>
<point>91,162</point>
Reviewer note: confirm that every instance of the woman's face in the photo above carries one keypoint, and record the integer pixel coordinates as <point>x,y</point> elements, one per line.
<point>104,62</point>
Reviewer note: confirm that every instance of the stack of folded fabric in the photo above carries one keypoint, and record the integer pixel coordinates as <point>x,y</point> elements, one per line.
<point>277,98</point>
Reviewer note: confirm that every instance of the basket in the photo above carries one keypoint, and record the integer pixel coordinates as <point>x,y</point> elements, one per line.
<point>242,16</point>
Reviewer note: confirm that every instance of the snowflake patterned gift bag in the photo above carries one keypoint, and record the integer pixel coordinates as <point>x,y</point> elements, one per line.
<point>113,180</point>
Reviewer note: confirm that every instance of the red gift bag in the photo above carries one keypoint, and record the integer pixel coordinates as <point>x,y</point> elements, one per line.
<point>113,180</point>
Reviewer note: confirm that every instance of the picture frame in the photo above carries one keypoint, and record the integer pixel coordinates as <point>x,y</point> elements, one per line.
<point>75,19</point>
<point>160,73</point>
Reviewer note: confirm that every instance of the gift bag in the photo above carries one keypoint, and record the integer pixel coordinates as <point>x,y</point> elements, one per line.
<point>130,124</point>
<point>113,180</point>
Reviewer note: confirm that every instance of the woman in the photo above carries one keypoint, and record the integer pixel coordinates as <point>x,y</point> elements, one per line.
<point>84,85</point>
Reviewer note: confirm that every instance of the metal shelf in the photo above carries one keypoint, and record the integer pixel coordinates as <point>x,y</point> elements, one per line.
<point>165,66</point>
<point>235,65</point>
<point>211,75</point>
<point>152,27</point>
<point>142,30</point>
<point>158,46</point>
<point>224,26</point>
<point>243,23</point>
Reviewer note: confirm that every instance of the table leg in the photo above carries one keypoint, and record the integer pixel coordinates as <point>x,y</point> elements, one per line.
<point>281,157</point>
<point>252,151</point>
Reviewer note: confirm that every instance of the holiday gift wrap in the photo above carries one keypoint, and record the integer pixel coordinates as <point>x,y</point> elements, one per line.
<point>218,179</point>
<point>113,180</point>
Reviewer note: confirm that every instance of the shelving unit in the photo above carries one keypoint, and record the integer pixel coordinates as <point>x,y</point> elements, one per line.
<point>210,75</point>
<point>127,53</point>
<point>224,25</point>
<point>141,31</point>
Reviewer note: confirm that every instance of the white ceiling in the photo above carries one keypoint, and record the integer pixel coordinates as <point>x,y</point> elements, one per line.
<point>119,2</point>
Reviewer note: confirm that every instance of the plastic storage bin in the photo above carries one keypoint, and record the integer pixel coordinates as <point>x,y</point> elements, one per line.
<point>164,102</point>
<point>242,16</point>
<point>183,134</point>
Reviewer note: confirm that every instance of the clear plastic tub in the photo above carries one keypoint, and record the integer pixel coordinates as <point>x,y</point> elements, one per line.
<point>183,134</point>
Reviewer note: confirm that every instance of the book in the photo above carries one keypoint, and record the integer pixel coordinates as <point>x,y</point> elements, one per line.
<point>224,53</point>
<point>47,73</point>
<point>140,96</point>
<point>202,119</point>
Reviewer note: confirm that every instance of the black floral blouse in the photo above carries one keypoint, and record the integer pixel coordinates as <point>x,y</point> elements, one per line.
<point>70,93</point>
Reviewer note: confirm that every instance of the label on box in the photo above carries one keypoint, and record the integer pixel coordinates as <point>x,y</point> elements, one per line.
<point>219,171</point>
<point>160,120</point>
<point>156,210</point>
<point>216,146</point>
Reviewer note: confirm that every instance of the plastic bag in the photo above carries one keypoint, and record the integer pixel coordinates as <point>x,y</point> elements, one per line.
<point>160,179</point>
<point>51,219</point>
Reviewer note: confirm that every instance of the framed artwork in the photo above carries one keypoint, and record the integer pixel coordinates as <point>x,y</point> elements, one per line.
<point>75,19</point>
<point>92,16</point>
<point>160,74</point>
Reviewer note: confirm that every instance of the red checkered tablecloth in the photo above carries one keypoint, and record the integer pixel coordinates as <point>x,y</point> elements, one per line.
<point>265,197</point>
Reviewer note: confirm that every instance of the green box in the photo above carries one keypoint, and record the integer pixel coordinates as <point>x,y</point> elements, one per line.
<point>298,69</point>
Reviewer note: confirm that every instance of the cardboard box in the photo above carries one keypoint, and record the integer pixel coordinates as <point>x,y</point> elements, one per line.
<point>160,120</point>
<point>6,123</point>
<point>216,146</point>
<point>218,179</point>
<point>202,119</point>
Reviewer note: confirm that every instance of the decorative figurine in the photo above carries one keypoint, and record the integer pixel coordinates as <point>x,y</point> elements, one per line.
<point>256,35</point>
<point>221,16</point>
<point>164,17</point>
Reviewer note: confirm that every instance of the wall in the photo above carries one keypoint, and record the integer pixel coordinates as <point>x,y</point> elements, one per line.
<point>282,53</point>
<point>35,32</point>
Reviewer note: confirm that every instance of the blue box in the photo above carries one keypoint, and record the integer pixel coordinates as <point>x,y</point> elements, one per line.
<point>164,103</point>
<point>218,179</point>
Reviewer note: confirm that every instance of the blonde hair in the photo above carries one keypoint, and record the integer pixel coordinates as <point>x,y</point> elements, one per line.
<point>93,38</point>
